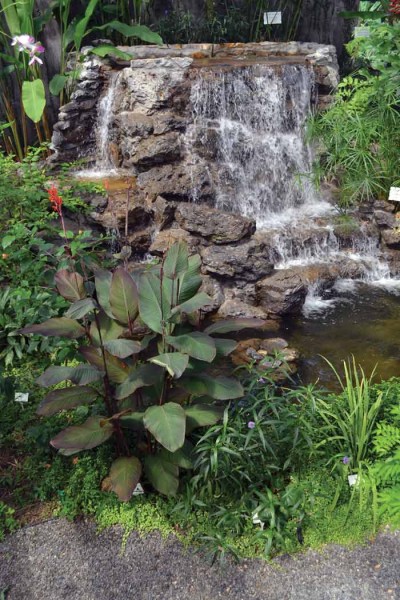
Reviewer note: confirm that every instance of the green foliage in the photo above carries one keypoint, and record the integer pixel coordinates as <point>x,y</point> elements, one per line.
<point>387,469</point>
<point>360,133</point>
<point>8,522</point>
<point>346,423</point>
<point>150,376</point>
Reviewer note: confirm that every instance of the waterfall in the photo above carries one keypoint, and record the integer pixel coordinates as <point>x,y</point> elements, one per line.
<point>248,133</point>
<point>104,118</point>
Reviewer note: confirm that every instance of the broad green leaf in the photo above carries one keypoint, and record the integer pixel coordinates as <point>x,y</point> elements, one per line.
<point>182,457</point>
<point>224,346</point>
<point>57,84</point>
<point>228,325</point>
<point>11,16</point>
<point>92,433</point>
<point>116,370</point>
<point>167,423</point>
<point>7,241</point>
<point>123,348</point>
<point>102,281</point>
<point>142,376</point>
<point>81,308</point>
<point>133,421</point>
<point>220,388</point>
<point>109,329</point>
<point>162,474</point>
<point>175,363</point>
<point>66,399</point>
<point>123,297</point>
<point>70,285</point>
<point>150,302</point>
<point>109,50</point>
<point>191,281</point>
<point>139,31</point>
<point>80,375</point>
<point>176,261</point>
<point>124,476</point>
<point>198,345</point>
<point>202,415</point>
<point>198,301</point>
<point>58,326</point>
<point>34,99</point>
<point>80,30</point>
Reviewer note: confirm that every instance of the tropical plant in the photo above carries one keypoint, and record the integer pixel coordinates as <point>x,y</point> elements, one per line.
<point>359,134</point>
<point>347,421</point>
<point>154,369</point>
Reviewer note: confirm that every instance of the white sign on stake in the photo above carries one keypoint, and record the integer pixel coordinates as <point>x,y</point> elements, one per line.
<point>362,32</point>
<point>394,194</point>
<point>21,397</point>
<point>138,490</point>
<point>273,18</point>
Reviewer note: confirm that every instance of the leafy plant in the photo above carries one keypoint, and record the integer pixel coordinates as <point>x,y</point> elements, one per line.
<point>154,369</point>
<point>347,422</point>
<point>387,469</point>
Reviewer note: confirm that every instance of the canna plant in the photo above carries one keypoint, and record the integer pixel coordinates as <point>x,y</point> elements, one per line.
<point>147,369</point>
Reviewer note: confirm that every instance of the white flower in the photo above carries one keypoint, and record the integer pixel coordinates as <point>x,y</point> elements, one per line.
<point>34,59</point>
<point>24,42</point>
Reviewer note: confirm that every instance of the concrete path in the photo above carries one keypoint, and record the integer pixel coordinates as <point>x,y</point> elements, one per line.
<point>58,560</point>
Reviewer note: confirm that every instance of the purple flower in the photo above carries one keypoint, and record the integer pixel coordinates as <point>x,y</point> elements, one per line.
<point>26,43</point>
<point>345,460</point>
<point>251,424</point>
<point>261,380</point>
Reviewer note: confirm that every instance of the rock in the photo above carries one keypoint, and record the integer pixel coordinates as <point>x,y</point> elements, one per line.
<point>164,213</point>
<point>140,241</point>
<point>214,225</point>
<point>166,238</point>
<point>384,219</point>
<point>269,353</point>
<point>282,293</point>
<point>168,121</point>
<point>391,237</point>
<point>213,288</point>
<point>383,205</point>
<point>274,345</point>
<point>177,182</point>
<point>134,124</point>
<point>156,150</point>
<point>246,261</point>
<point>237,309</point>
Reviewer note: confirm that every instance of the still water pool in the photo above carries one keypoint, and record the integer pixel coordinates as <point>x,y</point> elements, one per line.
<point>354,319</point>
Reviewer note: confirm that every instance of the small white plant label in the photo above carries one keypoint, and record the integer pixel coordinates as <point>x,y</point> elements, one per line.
<point>21,397</point>
<point>352,479</point>
<point>273,18</point>
<point>362,32</point>
<point>257,520</point>
<point>394,194</point>
<point>138,490</point>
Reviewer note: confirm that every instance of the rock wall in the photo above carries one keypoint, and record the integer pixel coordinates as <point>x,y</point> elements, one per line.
<point>151,110</point>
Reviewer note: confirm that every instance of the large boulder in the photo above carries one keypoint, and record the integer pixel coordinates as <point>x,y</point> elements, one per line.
<point>282,293</point>
<point>247,261</point>
<point>214,225</point>
<point>391,237</point>
<point>166,238</point>
<point>177,182</point>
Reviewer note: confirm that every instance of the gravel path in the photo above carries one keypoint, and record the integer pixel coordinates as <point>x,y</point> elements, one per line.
<point>59,560</point>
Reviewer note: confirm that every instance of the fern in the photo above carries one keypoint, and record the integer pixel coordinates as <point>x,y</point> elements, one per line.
<point>387,471</point>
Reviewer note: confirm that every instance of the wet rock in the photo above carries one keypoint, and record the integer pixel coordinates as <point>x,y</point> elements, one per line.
<point>383,205</point>
<point>177,182</point>
<point>391,237</point>
<point>214,225</point>
<point>247,262</point>
<point>134,124</point>
<point>157,150</point>
<point>166,238</point>
<point>268,353</point>
<point>164,213</point>
<point>140,241</point>
<point>214,289</point>
<point>234,309</point>
<point>282,293</point>
<point>384,219</point>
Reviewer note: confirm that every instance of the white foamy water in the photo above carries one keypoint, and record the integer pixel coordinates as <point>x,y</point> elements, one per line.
<point>248,135</point>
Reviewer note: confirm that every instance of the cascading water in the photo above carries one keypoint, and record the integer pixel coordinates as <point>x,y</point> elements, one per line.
<point>104,165</point>
<point>248,132</point>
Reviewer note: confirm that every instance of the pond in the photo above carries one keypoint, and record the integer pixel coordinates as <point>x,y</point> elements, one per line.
<point>354,319</point>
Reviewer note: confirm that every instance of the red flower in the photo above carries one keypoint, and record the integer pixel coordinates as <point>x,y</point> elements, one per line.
<point>55,200</point>
<point>394,7</point>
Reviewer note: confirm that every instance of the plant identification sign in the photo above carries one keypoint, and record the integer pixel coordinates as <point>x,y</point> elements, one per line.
<point>394,194</point>
<point>273,18</point>
<point>362,32</point>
